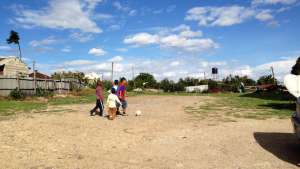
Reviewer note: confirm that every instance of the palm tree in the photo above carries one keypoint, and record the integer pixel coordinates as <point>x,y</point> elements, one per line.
<point>14,38</point>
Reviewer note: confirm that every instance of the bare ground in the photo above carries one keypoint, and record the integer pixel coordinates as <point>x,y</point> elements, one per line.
<point>163,137</point>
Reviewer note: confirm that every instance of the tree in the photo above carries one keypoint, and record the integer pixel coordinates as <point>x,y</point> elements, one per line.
<point>233,83</point>
<point>80,76</point>
<point>166,85</point>
<point>266,80</point>
<point>15,39</point>
<point>296,67</point>
<point>248,81</point>
<point>145,80</point>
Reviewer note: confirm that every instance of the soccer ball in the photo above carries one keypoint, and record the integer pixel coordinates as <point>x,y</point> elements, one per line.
<point>138,113</point>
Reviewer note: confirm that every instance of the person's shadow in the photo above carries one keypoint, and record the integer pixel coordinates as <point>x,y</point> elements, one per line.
<point>285,146</point>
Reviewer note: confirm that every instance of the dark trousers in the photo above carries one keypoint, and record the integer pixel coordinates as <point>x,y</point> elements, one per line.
<point>99,104</point>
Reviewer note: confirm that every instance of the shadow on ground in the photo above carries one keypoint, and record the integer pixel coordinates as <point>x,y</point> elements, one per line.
<point>271,95</point>
<point>285,146</point>
<point>280,106</point>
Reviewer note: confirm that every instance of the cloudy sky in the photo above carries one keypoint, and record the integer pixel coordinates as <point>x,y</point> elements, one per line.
<point>169,38</point>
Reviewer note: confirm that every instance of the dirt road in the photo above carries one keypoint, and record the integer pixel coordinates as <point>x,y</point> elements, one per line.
<point>163,137</point>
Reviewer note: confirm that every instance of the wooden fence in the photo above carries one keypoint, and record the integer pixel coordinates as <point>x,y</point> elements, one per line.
<point>26,85</point>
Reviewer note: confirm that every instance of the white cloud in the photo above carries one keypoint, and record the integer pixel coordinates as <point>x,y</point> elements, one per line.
<point>102,16</point>
<point>91,4</point>
<point>206,64</point>
<point>175,63</point>
<point>44,42</point>
<point>78,63</point>
<point>118,5</point>
<point>169,74</point>
<point>219,16</point>
<point>141,39</point>
<point>123,8</point>
<point>116,59</point>
<point>190,34</point>
<point>180,68</point>
<point>227,16</point>
<point>180,37</point>
<point>67,49</point>
<point>132,12</point>
<point>273,2</point>
<point>5,47</point>
<point>70,14</point>
<point>281,68</point>
<point>283,9</point>
<point>114,27</point>
<point>185,31</point>
<point>174,41</point>
<point>97,52</point>
<point>264,15</point>
<point>81,37</point>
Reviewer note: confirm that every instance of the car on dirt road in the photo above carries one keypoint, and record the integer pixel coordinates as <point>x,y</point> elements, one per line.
<point>296,120</point>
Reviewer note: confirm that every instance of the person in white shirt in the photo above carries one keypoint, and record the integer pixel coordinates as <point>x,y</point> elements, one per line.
<point>112,101</point>
<point>116,85</point>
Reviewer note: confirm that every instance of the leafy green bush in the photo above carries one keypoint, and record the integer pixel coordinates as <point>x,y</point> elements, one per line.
<point>145,80</point>
<point>17,94</point>
<point>269,79</point>
<point>234,83</point>
<point>213,84</point>
<point>43,93</point>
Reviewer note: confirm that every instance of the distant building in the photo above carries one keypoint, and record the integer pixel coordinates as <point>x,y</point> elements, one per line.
<point>13,66</point>
<point>39,75</point>
<point>200,88</point>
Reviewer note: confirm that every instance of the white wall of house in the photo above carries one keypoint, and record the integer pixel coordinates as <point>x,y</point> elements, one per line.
<point>13,67</point>
<point>200,88</point>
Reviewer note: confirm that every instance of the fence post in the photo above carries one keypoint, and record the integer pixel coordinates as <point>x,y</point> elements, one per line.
<point>18,81</point>
<point>34,78</point>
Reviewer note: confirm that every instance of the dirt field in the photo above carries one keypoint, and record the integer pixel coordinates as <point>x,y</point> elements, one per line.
<point>163,137</point>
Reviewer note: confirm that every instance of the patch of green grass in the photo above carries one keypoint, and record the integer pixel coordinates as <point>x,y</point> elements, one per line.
<point>11,107</point>
<point>241,106</point>
<point>165,94</point>
<point>72,100</point>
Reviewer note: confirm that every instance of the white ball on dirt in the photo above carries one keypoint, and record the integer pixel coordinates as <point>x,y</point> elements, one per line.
<point>138,113</point>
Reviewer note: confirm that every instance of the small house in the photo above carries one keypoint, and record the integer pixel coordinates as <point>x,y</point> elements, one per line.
<point>12,67</point>
<point>199,89</point>
<point>39,75</point>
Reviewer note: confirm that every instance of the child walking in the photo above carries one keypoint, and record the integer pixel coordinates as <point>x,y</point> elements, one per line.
<point>116,86</point>
<point>112,101</point>
<point>99,99</point>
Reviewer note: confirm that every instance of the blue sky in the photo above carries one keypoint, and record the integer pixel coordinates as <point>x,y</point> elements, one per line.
<point>170,38</point>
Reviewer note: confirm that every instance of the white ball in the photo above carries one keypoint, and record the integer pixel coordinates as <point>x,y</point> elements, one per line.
<point>138,113</point>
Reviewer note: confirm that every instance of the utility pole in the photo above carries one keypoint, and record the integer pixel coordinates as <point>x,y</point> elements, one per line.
<point>132,68</point>
<point>34,77</point>
<point>112,71</point>
<point>133,77</point>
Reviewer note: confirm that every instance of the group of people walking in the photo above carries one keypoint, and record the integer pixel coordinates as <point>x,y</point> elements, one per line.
<point>115,100</point>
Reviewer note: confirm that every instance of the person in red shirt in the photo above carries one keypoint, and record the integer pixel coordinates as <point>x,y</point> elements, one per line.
<point>99,99</point>
<point>122,94</point>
